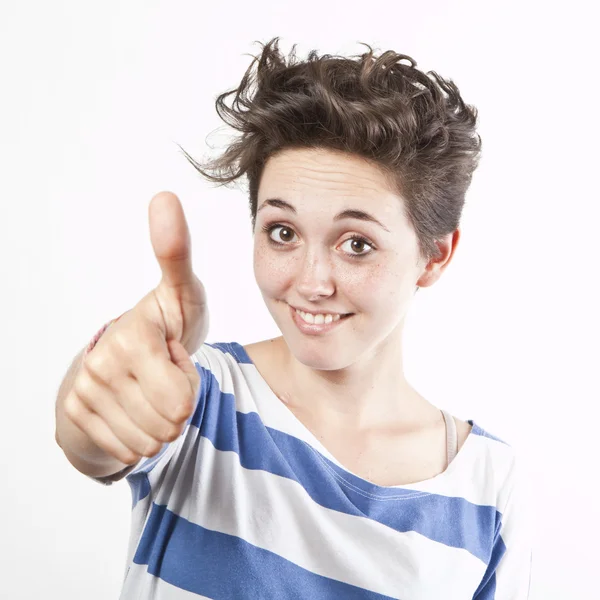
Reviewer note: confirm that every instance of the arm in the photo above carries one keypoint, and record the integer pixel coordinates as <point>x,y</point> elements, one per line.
<point>135,391</point>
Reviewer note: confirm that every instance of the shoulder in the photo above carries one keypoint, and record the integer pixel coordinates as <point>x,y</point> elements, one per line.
<point>504,465</point>
<point>265,350</point>
<point>220,354</point>
<point>463,429</point>
<point>220,366</point>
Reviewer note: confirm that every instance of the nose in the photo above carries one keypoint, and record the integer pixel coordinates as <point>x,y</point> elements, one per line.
<point>314,279</point>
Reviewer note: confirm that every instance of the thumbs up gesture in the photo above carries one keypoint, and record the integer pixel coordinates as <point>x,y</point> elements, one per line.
<point>136,389</point>
<point>179,298</point>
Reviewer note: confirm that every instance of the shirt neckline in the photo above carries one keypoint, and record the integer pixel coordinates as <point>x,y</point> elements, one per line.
<point>342,472</point>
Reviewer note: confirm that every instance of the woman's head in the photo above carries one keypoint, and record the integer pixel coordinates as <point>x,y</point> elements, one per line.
<point>414,126</point>
<point>330,135</point>
<point>332,239</point>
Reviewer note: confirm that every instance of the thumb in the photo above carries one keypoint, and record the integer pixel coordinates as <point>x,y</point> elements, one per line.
<point>180,357</point>
<point>171,240</point>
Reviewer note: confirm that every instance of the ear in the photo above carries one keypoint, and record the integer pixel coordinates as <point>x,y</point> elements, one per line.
<point>436,266</point>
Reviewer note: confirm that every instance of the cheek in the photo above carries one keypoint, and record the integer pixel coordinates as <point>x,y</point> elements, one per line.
<point>271,269</point>
<point>381,287</point>
<point>368,281</point>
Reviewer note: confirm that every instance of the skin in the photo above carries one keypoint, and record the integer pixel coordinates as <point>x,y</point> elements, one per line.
<point>346,386</point>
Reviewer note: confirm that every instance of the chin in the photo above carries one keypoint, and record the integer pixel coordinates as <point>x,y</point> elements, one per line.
<point>320,352</point>
<point>315,360</point>
<point>317,353</point>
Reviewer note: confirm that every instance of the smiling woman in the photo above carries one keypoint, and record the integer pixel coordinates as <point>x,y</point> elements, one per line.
<point>311,467</point>
<point>339,244</point>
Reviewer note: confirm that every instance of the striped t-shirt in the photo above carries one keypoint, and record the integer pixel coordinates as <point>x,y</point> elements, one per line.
<point>247,504</point>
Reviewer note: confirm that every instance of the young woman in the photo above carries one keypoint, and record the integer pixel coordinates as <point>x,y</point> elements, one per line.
<point>307,466</point>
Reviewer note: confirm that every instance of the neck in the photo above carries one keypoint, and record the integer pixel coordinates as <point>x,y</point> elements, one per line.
<point>372,392</point>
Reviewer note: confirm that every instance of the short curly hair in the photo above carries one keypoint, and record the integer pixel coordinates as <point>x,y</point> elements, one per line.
<point>413,125</point>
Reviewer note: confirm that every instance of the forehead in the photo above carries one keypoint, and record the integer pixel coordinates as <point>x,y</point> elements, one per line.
<point>304,175</point>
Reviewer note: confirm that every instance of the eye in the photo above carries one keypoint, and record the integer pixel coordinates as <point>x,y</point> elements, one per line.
<point>357,246</point>
<point>281,234</point>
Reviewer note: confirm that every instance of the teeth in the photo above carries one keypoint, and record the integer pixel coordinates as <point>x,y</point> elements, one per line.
<point>318,319</point>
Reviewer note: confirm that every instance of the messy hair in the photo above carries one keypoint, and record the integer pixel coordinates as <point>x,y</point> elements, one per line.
<point>413,126</point>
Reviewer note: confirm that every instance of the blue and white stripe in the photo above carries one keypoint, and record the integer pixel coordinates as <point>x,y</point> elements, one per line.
<point>248,504</point>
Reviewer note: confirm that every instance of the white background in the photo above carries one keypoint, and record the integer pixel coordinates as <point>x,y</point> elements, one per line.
<point>94,97</point>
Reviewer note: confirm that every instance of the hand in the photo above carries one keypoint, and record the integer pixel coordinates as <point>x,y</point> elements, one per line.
<point>136,389</point>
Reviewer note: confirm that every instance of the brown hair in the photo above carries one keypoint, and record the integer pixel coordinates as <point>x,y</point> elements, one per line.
<point>414,126</point>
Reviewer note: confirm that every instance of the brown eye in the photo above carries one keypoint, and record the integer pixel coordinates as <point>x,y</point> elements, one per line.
<point>357,247</point>
<point>281,235</point>
<point>286,235</point>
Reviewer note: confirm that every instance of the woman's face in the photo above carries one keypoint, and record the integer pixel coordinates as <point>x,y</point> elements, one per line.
<point>331,240</point>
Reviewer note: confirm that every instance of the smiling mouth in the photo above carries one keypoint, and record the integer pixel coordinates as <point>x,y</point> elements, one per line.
<point>320,318</point>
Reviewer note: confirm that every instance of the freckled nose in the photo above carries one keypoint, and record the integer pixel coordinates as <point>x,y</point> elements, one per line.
<point>314,277</point>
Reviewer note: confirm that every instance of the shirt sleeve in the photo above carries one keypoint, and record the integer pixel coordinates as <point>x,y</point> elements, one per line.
<point>508,576</point>
<point>110,479</point>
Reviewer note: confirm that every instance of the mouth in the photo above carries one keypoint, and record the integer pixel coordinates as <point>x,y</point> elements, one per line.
<point>313,323</point>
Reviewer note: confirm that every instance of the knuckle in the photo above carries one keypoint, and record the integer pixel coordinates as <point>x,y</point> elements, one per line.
<point>151,448</point>
<point>121,332</point>
<point>81,387</point>
<point>73,409</point>
<point>95,363</point>
<point>123,339</point>
<point>129,335</point>
<point>170,433</point>
<point>182,411</point>
<point>128,457</point>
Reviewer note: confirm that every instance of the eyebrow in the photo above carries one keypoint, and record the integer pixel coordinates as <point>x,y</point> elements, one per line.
<point>350,213</point>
